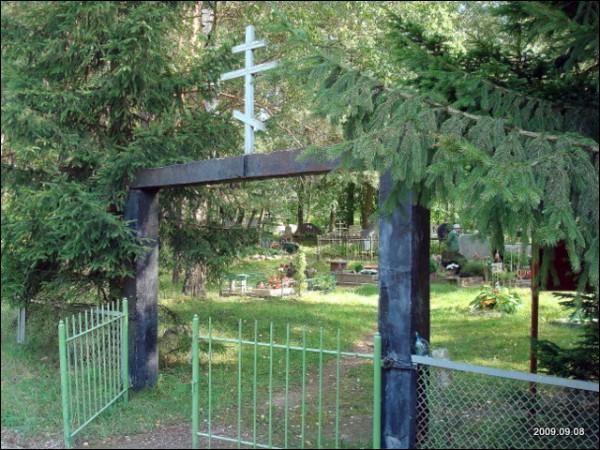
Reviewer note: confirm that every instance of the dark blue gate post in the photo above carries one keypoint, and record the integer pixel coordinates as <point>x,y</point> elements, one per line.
<point>142,290</point>
<point>403,310</point>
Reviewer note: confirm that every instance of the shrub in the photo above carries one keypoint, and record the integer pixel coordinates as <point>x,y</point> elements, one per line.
<point>358,267</point>
<point>505,276</point>
<point>579,360</point>
<point>473,269</point>
<point>496,299</point>
<point>437,247</point>
<point>518,259</point>
<point>324,283</point>
<point>300,266</point>
<point>433,265</point>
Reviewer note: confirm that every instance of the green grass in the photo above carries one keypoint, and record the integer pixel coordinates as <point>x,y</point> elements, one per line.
<point>30,383</point>
<point>488,339</point>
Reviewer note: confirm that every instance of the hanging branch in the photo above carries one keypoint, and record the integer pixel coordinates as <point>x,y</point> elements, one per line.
<point>378,87</point>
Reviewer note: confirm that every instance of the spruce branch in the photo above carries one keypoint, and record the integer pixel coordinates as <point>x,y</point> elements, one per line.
<point>378,87</point>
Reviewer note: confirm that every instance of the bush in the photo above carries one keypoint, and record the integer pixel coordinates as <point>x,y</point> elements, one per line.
<point>473,269</point>
<point>358,267</point>
<point>300,266</point>
<point>437,247</point>
<point>504,277</point>
<point>581,360</point>
<point>519,259</point>
<point>324,283</point>
<point>433,265</point>
<point>496,299</point>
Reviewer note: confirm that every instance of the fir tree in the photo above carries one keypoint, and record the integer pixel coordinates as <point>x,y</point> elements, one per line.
<point>504,126</point>
<point>455,142</point>
<point>91,93</point>
<point>581,361</point>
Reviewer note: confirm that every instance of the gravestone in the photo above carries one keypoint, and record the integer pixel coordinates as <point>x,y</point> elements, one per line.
<point>472,246</point>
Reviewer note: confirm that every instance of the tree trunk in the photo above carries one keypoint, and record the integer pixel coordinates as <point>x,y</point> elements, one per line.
<point>350,204</point>
<point>300,211</point>
<point>332,219</point>
<point>194,284</point>
<point>176,273</point>
<point>367,205</point>
<point>308,199</point>
<point>240,217</point>
<point>259,225</point>
<point>251,218</point>
<point>178,223</point>
<point>300,216</point>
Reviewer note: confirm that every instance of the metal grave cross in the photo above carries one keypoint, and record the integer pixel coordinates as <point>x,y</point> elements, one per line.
<point>251,123</point>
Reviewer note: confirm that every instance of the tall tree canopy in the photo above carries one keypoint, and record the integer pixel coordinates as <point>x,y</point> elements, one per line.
<point>91,92</point>
<point>492,106</point>
<point>503,123</point>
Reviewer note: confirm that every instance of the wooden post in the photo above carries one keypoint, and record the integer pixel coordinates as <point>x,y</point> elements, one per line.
<point>142,290</point>
<point>403,310</point>
<point>535,305</point>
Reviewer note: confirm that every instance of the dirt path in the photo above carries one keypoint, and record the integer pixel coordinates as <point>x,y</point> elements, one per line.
<point>354,427</point>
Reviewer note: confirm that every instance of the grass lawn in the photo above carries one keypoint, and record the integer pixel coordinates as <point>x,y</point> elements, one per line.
<point>31,388</point>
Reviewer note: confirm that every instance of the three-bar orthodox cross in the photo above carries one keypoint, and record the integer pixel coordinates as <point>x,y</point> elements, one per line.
<point>251,123</point>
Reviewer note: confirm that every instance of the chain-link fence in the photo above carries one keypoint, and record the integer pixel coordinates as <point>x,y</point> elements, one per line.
<point>462,406</point>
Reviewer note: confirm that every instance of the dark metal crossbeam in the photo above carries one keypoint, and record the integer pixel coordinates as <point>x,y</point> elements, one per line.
<point>256,166</point>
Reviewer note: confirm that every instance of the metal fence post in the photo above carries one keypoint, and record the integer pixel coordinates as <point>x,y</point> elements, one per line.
<point>377,391</point>
<point>125,349</point>
<point>64,383</point>
<point>195,380</point>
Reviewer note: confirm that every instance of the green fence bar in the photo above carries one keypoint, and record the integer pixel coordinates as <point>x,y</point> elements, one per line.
<point>287,386</point>
<point>271,385</point>
<point>93,360</point>
<point>105,354</point>
<point>254,383</point>
<point>64,383</point>
<point>303,387</point>
<point>337,389</point>
<point>239,386</point>
<point>82,366</point>
<point>320,418</point>
<point>88,368</point>
<point>125,349</point>
<point>195,380</point>
<point>377,391</point>
<point>93,352</point>
<point>77,409</point>
<point>254,430</point>
<point>210,354</point>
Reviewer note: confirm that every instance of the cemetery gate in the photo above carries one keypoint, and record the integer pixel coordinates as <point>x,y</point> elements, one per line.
<point>284,403</point>
<point>94,372</point>
<point>283,393</point>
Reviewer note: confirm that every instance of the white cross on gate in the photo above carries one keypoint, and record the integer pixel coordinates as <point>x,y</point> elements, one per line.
<point>250,122</point>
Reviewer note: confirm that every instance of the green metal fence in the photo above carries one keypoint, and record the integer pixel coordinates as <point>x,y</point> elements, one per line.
<point>277,395</point>
<point>93,364</point>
